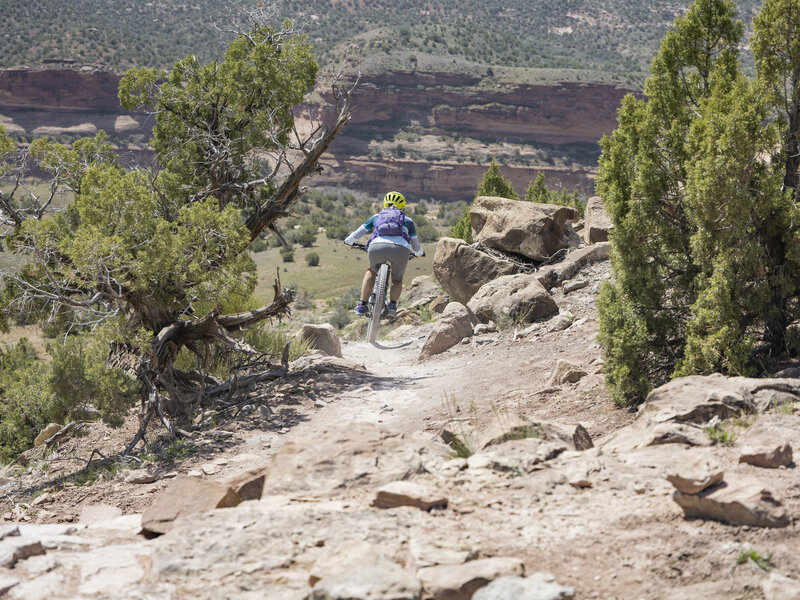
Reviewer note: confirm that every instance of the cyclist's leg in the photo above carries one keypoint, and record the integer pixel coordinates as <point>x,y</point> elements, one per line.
<point>367,284</point>
<point>398,258</point>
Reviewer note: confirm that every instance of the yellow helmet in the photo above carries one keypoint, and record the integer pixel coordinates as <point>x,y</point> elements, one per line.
<point>395,199</point>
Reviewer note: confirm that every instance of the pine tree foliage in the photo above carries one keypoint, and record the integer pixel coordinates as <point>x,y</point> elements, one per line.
<point>699,181</point>
<point>150,262</point>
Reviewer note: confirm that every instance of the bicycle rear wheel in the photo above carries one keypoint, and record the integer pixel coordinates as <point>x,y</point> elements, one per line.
<point>381,283</point>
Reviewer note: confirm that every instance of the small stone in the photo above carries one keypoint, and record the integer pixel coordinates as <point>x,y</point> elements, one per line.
<point>559,323</point>
<point>43,499</point>
<point>407,493</point>
<point>139,476</point>
<point>264,411</point>
<point>573,285</point>
<point>194,473</point>
<point>209,469</point>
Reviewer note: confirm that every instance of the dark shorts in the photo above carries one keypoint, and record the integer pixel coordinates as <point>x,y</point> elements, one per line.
<point>396,256</point>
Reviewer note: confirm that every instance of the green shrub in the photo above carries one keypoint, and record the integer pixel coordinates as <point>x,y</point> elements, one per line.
<point>287,254</point>
<point>312,259</point>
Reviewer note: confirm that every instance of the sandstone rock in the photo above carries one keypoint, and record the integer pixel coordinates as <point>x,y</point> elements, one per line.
<point>321,337</point>
<point>524,588</point>
<point>186,495</point>
<point>355,454</point>
<point>459,582</point>
<point>669,411</point>
<point>536,231</point>
<point>16,548</point>
<point>553,275</point>
<point>768,443</point>
<point>6,583</point>
<point>340,557</point>
<point>438,304</point>
<point>126,124</point>
<point>429,553</point>
<point>423,290</point>
<point>520,297</point>
<point>522,455</point>
<point>454,325</point>
<point>559,323</point>
<point>250,484</point>
<point>46,433</point>
<point>695,473</point>
<point>462,270</point>
<point>739,501</point>
<point>408,493</point>
<point>778,587</point>
<point>566,371</point>
<point>511,427</point>
<point>598,222</point>
<point>573,286</point>
<point>379,579</point>
<point>139,476</point>
<point>97,513</point>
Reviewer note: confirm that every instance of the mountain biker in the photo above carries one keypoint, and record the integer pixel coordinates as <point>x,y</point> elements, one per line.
<point>393,238</point>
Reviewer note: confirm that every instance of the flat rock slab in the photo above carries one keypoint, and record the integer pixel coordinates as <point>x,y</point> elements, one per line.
<point>184,496</point>
<point>524,588</point>
<point>739,501</point>
<point>670,411</point>
<point>6,583</point>
<point>459,582</point>
<point>378,579</point>
<point>696,472</point>
<point>520,456</point>
<point>352,455</point>
<point>767,454</point>
<point>16,548</point>
<point>408,493</point>
<point>768,443</point>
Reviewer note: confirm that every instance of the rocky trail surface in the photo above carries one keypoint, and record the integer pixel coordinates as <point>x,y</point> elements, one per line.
<point>497,468</point>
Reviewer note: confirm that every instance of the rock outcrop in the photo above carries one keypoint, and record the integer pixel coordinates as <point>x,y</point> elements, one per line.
<point>462,270</point>
<point>536,231</point>
<point>597,222</point>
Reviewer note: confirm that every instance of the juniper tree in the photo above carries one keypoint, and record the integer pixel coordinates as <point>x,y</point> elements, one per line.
<point>152,260</point>
<point>698,180</point>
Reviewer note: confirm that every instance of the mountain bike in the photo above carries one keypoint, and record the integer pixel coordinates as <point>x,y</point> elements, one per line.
<point>378,303</point>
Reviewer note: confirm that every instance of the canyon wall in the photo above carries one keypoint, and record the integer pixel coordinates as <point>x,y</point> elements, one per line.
<point>66,102</point>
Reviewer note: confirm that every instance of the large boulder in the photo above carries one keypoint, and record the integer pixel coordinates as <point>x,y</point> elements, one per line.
<point>536,231</point>
<point>462,270</point>
<point>454,325</point>
<point>768,443</point>
<point>553,275</point>
<point>321,337</point>
<point>520,297</point>
<point>598,223</point>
